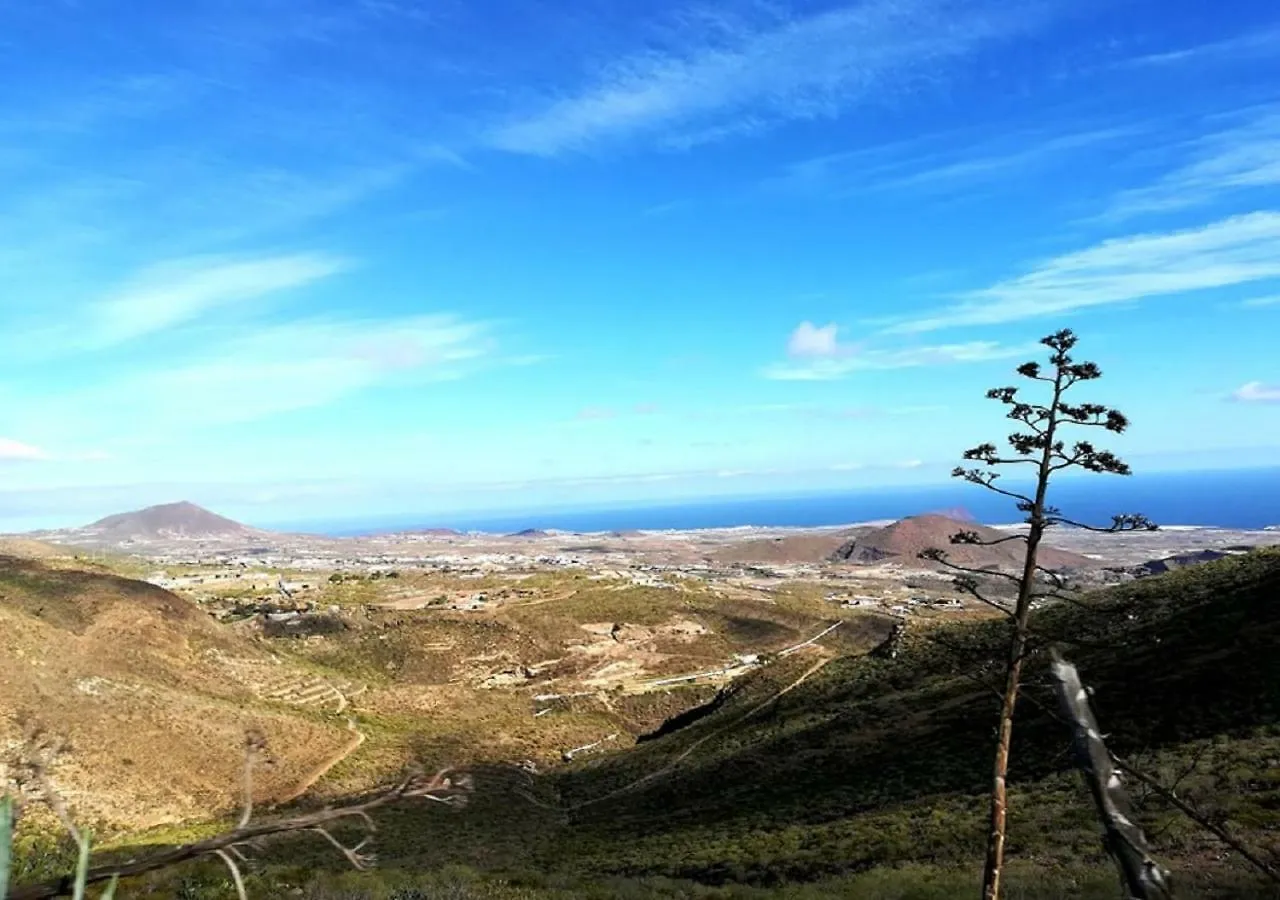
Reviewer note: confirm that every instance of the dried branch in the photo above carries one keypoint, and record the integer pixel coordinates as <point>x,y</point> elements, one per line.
<point>974,539</point>
<point>1120,523</point>
<point>235,873</point>
<point>1059,581</point>
<point>967,584</point>
<point>940,557</point>
<point>359,861</point>
<point>1194,815</point>
<point>987,480</point>
<point>445,787</point>
<point>1168,793</point>
<point>1144,878</point>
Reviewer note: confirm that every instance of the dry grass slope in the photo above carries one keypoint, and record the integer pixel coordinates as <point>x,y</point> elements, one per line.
<point>147,688</point>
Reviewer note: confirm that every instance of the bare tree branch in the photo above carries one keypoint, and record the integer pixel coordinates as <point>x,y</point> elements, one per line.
<point>1194,815</point>
<point>940,557</point>
<point>444,787</point>
<point>987,480</point>
<point>973,538</point>
<point>1143,876</point>
<point>235,873</point>
<point>359,861</point>
<point>1125,522</point>
<point>1150,781</point>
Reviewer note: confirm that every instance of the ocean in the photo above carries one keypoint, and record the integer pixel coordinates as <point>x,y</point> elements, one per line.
<point>1239,499</point>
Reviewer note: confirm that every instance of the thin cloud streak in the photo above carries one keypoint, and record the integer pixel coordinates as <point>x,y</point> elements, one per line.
<point>1261,302</point>
<point>749,76</point>
<point>911,166</point>
<point>178,292</point>
<point>1238,250</point>
<point>1258,44</point>
<point>17,451</point>
<point>834,368</point>
<point>1246,157</point>
<point>277,369</point>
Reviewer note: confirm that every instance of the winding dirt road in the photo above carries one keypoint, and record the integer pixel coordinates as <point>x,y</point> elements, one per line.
<point>358,737</point>
<point>688,751</point>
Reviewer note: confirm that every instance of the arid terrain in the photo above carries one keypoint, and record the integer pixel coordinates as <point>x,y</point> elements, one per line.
<point>175,627</point>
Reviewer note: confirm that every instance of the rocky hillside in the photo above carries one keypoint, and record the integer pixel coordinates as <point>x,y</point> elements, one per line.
<point>903,541</point>
<point>167,520</point>
<point>122,668</point>
<point>878,762</point>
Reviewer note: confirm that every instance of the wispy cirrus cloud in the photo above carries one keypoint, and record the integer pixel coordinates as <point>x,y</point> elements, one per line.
<point>824,357</point>
<point>1225,161</point>
<point>1233,251</point>
<point>941,161</point>
<point>736,75</point>
<point>275,369</point>
<point>12,451</point>
<point>1260,302</point>
<point>177,292</point>
<point>1260,44</point>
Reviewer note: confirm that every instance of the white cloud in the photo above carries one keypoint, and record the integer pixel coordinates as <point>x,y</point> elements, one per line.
<point>177,292</point>
<point>11,450</point>
<point>1259,302</point>
<point>740,76</point>
<point>1257,392</point>
<point>1263,44</point>
<point>938,162</point>
<point>278,368</point>
<point>1240,158</point>
<point>809,341</point>
<point>831,369</point>
<point>1237,250</point>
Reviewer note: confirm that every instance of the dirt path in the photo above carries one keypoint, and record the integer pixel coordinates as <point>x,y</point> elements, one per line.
<point>358,737</point>
<point>688,751</point>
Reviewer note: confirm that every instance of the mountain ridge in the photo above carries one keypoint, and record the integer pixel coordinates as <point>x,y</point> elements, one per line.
<point>179,519</point>
<point>903,541</point>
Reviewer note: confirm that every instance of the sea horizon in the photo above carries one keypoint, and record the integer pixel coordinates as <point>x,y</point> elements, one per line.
<point>1231,499</point>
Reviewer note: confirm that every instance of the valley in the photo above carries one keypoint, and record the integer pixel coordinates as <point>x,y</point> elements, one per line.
<point>613,675</point>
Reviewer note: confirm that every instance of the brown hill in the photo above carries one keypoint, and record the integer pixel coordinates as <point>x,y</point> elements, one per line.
<point>903,541</point>
<point>796,548</point>
<point>29,548</point>
<point>123,669</point>
<point>166,520</point>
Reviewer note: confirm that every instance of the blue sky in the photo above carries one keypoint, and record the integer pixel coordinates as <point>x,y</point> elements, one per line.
<point>296,258</point>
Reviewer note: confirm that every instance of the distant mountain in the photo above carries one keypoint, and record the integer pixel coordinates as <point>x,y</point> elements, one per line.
<point>167,520</point>
<point>530,533</point>
<point>904,540</point>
